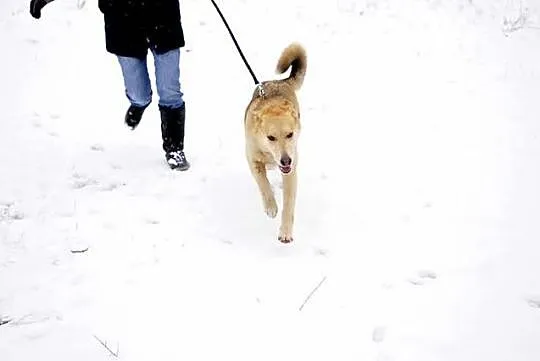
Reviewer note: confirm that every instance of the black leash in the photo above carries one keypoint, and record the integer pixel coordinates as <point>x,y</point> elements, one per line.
<point>238,48</point>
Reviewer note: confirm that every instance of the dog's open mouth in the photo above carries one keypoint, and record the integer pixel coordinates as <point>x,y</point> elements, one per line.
<point>285,169</point>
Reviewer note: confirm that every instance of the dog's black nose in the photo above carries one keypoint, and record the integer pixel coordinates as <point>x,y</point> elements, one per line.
<point>285,160</point>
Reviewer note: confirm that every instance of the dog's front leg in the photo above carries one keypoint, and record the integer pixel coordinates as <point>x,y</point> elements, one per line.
<point>289,200</point>
<point>258,170</point>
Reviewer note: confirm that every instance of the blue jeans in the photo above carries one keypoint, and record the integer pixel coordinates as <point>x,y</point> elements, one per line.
<point>137,81</point>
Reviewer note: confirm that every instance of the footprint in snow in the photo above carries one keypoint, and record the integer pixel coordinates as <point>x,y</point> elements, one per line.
<point>111,186</point>
<point>97,148</point>
<point>17,12</point>
<point>80,181</point>
<point>32,41</point>
<point>422,277</point>
<point>534,303</point>
<point>427,274</point>
<point>8,213</point>
<point>151,221</point>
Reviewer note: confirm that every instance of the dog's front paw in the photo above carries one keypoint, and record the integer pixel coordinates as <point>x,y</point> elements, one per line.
<point>270,207</point>
<point>285,236</point>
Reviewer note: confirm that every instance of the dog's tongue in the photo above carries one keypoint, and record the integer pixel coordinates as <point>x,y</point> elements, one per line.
<point>285,169</point>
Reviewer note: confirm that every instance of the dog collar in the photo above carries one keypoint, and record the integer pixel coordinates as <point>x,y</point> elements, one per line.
<point>260,88</point>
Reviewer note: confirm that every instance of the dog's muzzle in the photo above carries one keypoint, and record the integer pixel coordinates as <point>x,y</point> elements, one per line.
<point>285,164</point>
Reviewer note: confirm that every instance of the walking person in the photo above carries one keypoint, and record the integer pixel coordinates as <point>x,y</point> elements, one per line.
<point>132,28</point>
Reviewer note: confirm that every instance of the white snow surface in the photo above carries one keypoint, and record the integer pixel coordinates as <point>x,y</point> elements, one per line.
<point>418,203</point>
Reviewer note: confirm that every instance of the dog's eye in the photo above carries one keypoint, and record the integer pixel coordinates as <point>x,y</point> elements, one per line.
<point>290,135</point>
<point>271,138</point>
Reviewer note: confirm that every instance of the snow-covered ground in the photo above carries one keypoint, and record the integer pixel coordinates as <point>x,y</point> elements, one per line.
<point>418,205</point>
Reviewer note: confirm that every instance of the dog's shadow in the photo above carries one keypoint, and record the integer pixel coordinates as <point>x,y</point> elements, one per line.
<point>236,216</point>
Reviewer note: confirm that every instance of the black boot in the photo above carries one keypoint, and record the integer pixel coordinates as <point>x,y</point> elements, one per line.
<point>36,6</point>
<point>133,116</point>
<point>172,131</point>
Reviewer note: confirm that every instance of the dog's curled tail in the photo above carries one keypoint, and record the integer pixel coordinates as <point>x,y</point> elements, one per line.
<point>293,56</point>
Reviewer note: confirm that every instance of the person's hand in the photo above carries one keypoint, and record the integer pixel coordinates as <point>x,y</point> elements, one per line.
<point>36,6</point>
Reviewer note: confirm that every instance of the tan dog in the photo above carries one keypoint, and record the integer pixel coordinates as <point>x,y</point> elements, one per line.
<point>272,127</point>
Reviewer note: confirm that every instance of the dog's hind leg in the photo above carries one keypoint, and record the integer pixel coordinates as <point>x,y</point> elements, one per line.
<point>289,200</point>
<point>258,169</point>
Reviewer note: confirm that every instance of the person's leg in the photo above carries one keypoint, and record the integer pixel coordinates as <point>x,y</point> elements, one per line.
<point>172,108</point>
<point>167,66</point>
<point>137,88</point>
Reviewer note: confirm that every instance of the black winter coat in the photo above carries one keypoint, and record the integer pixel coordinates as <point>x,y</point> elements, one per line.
<point>134,26</point>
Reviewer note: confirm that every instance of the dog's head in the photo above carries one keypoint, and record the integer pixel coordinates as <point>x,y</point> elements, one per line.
<point>278,133</point>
